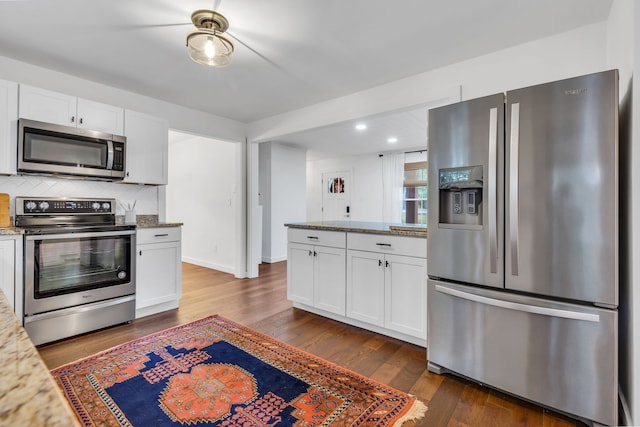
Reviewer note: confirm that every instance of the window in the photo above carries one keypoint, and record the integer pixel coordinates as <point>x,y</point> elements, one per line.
<point>415,193</point>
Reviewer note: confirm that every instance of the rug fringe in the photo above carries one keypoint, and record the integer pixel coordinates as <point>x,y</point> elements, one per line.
<point>416,412</point>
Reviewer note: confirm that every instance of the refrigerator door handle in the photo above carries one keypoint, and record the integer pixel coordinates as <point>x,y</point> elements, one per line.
<point>492,177</point>
<point>513,185</point>
<point>545,311</point>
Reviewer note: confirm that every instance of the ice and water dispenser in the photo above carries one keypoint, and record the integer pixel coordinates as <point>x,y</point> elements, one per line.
<point>460,191</point>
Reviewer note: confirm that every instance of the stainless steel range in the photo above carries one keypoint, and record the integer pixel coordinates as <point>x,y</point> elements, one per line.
<point>79,266</point>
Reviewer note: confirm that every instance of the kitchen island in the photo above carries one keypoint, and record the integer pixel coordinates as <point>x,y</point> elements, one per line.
<point>28,394</point>
<point>368,274</point>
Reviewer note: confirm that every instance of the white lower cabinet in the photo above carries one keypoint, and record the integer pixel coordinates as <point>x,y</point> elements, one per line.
<point>365,287</point>
<point>372,281</point>
<point>406,295</point>
<point>388,291</point>
<point>316,275</point>
<point>11,271</point>
<point>158,270</point>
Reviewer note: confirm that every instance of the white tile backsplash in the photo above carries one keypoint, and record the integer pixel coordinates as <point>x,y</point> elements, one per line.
<point>42,186</point>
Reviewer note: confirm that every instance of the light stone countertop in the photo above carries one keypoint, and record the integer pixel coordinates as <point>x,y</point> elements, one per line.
<point>11,231</point>
<point>28,394</point>
<point>411,230</point>
<point>149,221</point>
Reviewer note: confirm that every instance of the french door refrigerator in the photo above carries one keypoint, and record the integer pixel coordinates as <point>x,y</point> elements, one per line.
<point>523,243</point>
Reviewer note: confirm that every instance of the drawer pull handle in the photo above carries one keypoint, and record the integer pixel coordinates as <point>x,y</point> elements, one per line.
<point>384,244</point>
<point>312,237</point>
<point>161,235</point>
<point>379,263</point>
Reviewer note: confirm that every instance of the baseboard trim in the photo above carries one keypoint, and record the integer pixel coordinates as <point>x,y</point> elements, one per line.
<point>625,413</point>
<point>211,265</point>
<point>274,259</point>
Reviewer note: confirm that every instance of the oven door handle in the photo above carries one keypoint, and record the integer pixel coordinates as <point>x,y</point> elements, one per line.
<point>79,235</point>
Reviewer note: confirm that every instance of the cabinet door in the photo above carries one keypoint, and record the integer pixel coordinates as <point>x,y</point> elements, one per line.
<point>147,148</point>
<point>365,286</point>
<point>300,273</point>
<point>406,295</point>
<point>157,274</point>
<point>8,126</point>
<point>101,117</point>
<point>329,279</point>
<point>47,106</point>
<point>7,270</point>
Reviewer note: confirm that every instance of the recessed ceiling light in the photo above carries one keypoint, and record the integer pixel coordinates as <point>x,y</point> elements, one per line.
<point>392,140</point>
<point>361,126</point>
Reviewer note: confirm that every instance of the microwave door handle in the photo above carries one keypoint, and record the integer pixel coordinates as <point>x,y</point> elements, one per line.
<point>110,154</point>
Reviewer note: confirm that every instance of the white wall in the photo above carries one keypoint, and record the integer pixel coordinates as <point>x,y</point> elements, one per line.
<point>264,198</point>
<point>202,194</point>
<point>623,53</point>
<point>282,194</point>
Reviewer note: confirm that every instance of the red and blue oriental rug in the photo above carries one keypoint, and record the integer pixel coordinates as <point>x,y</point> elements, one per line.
<point>215,372</point>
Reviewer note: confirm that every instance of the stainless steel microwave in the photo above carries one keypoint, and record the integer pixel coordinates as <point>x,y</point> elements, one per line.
<point>46,148</point>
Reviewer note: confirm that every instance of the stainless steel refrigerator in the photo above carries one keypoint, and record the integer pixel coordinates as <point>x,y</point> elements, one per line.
<point>523,243</point>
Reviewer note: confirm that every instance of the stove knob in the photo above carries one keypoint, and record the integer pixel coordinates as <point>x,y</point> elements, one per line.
<point>43,205</point>
<point>106,206</point>
<point>95,206</point>
<point>30,205</point>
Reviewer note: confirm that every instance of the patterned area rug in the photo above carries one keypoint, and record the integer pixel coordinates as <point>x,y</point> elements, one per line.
<point>215,372</point>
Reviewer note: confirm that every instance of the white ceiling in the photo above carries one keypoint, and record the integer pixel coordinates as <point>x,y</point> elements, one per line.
<point>409,127</point>
<point>290,54</point>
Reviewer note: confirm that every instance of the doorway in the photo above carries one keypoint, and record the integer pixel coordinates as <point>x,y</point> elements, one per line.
<point>336,196</point>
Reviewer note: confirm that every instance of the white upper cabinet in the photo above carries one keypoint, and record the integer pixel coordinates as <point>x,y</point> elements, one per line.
<point>147,148</point>
<point>8,127</point>
<point>101,117</point>
<point>53,107</point>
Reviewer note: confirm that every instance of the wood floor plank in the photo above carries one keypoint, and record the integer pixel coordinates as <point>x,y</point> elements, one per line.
<point>443,404</point>
<point>470,407</point>
<point>262,304</point>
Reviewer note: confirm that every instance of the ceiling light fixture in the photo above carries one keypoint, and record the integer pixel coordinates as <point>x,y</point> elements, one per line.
<point>361,126</point>
<point>208,45</point>
<point>392,140</point>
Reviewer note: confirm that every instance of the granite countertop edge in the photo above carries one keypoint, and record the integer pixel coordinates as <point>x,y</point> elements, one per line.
<point>11,231</point>
<point>364,227</point>
<point>149,221</point>
<point>158,224</point>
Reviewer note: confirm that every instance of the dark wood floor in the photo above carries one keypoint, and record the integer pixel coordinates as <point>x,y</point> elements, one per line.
<point>261,304</point>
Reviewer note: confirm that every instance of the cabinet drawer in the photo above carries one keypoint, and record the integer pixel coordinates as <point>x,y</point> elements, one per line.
<point>397,245</point>
<point>336,239</point>
<point>157,235</point>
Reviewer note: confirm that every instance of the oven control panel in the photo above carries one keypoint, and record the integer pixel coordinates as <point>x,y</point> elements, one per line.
<point>48,206</point>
